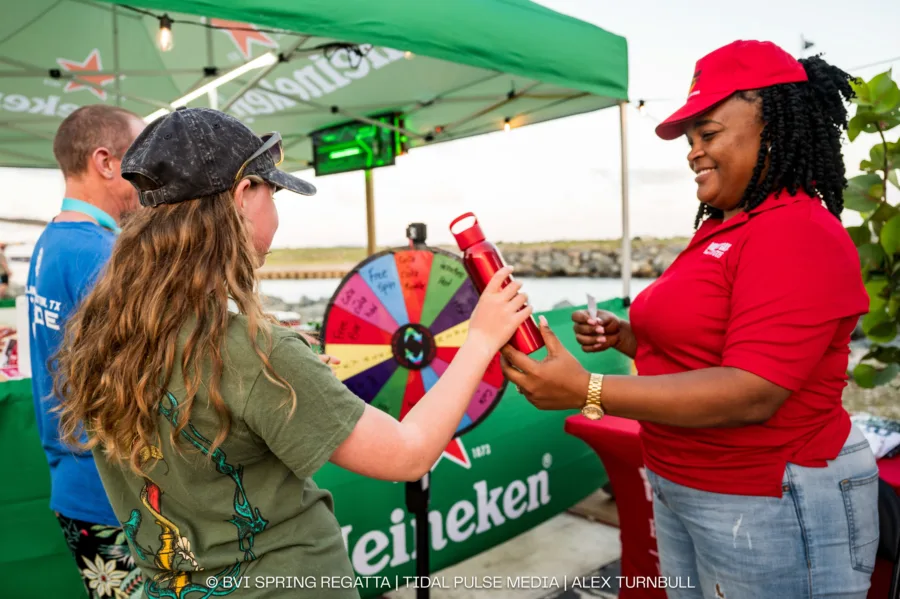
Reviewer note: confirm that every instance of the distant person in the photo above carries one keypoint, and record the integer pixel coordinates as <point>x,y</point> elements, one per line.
<point>762,487</point>
<point>208,422</point>
<point>68,256</point>
<point>5,273</point>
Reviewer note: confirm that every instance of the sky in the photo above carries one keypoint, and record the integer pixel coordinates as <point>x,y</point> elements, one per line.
<point>521,185</point>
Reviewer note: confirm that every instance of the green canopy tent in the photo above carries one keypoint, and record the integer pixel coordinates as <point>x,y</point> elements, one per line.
<point>449,69</point>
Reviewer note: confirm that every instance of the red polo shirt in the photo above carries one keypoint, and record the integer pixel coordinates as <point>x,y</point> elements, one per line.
<point>775,292</point>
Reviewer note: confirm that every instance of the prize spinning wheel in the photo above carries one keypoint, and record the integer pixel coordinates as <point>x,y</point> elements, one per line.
<point>396,322</point>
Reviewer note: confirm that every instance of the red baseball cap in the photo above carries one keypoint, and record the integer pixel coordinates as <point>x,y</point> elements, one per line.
<point>739,66</point>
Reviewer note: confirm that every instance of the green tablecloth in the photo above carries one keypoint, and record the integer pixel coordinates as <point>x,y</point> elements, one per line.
<point>34,560</point>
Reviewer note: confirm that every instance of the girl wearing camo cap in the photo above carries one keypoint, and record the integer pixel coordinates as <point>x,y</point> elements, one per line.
<point>208,424</point>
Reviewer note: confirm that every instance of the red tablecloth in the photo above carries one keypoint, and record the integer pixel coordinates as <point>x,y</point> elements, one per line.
<point>617,444</point>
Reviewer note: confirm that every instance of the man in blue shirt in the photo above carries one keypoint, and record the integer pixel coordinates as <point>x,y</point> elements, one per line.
<point>67,259</point>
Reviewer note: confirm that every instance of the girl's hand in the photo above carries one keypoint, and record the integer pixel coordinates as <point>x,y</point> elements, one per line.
<point>499,312</point>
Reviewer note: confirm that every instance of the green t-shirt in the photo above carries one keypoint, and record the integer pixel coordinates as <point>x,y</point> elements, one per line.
<point>250,522</point>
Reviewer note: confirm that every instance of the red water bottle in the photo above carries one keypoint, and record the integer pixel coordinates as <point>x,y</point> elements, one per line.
<point>482,260</point>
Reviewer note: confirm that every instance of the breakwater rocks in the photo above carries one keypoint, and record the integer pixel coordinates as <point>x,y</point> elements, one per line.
<point>648,260</point>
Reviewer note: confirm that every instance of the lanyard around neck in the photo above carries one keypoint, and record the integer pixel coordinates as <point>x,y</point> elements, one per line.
<point>102,218</point>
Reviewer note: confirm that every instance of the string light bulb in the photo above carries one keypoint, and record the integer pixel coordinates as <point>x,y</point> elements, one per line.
<point>408,55</point>
<point>641,108</point>
<point>506,126</point>
<point>164,38</point>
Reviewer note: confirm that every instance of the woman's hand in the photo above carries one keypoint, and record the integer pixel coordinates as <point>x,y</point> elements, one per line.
<point>499,313</point>
<point>558,382</point>
<point>603,332</point>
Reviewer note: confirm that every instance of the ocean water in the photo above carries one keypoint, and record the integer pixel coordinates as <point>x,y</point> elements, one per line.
<point>543,294</point>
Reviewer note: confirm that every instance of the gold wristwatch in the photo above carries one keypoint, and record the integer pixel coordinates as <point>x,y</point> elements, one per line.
<point>593,409</point>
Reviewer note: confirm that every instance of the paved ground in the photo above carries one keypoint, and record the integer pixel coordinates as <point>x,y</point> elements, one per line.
<point>544,562</point>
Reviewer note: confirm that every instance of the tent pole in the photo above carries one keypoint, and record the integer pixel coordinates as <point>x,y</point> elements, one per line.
<point>370,210</point>
<point>626,232</point>
<point>210,62</point>
<point>115,24</point>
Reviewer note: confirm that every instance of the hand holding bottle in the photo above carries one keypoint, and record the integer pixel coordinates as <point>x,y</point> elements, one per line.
<point>499,313</point>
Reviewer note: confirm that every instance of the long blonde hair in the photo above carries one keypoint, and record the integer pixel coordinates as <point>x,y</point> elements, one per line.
<point>170,264</point>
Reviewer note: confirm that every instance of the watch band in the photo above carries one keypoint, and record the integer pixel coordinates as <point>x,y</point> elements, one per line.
<point>593,408</point>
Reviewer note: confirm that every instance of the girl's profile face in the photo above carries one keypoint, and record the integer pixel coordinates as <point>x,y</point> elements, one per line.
<point>256,201</point>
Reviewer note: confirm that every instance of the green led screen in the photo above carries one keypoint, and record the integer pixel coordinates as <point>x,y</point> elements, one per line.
<point>355,145</point>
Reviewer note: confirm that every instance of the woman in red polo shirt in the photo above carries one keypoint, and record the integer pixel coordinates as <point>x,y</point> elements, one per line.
<point>762,486</point>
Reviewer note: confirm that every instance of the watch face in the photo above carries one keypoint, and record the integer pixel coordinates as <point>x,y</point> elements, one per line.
<point>592,412</point>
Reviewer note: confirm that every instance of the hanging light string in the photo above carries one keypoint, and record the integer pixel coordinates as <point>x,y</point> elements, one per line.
<point>203,24</point>
<point>165,38</point>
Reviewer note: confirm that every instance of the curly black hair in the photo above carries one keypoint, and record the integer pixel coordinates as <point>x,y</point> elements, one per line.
<point>801,137</point>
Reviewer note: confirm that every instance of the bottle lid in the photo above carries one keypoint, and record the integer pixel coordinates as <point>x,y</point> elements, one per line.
<point>466,235</point>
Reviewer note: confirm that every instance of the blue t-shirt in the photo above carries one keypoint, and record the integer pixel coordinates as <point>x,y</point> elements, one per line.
<point>65,264</point>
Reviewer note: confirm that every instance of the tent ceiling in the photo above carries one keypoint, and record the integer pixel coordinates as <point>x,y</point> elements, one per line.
<point>456,69</point>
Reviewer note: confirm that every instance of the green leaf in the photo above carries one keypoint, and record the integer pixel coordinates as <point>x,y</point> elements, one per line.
<point>885,355</point>
<point>893,307</point>
<point>858,203</point>
<point>884,213</point>
<point>858,195</point>
<point>877,156</point>
<point>890,236</point>
<point>887,374</point>
<point>863,184</point>
<point>885,96</point>
<point>868,121</point>
<point>861,91</point>
<point>873,319</point>
<point>871,256</point>
<point>864,375</point>
<point>892,177</point>
<point>855,127</point>
<point>860,235</point>
<point>884,332</point>
<point>875,289</point>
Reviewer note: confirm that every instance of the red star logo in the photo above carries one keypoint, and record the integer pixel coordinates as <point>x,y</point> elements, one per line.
<point>91,63</point>
<point>455,452</point>
<point>242,36</point>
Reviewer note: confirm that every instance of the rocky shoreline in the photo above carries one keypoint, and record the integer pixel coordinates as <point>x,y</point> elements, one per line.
<point>647,261</point>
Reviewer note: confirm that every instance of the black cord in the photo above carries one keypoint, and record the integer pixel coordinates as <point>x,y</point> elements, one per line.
<point>208,25</point>
<point>354,51</point>
<point>875,64</point>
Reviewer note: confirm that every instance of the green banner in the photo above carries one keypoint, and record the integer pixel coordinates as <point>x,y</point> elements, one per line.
<point>516,470</point>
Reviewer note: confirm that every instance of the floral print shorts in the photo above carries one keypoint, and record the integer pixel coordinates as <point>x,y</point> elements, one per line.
<point>104,559</point>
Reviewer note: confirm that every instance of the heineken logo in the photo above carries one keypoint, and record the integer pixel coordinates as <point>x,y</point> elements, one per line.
<point>484,509</point>
<point>324,74</point>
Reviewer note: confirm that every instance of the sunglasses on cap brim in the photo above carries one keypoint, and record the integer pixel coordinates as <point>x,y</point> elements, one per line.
<point>271,144</point>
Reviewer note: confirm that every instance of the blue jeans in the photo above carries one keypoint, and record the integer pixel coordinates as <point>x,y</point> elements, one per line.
<point>818,540</point>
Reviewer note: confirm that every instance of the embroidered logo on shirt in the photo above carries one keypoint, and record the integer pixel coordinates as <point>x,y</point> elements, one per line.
<point>717,250</point>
